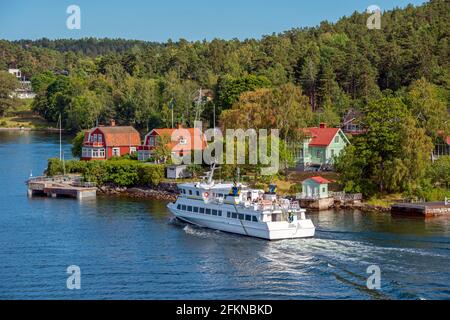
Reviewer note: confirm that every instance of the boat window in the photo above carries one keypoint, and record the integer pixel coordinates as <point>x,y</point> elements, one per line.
<point>228,214</point>
<point>179,207</point>
<point>183,208</point>
<point>190,192</point>
<point>202,210</point>
<point>197,193</point>
<point>248,217</point>
<point>220,213</point>
<point>208,211</point>
<point>189,208</point>
<point>241,216</point>
<point>196,209</point>
<point>254,219</point>
<point>214,212</point>
<point>234,215</point>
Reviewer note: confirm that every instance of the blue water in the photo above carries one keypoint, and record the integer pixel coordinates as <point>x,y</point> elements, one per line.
<point>129,249</point>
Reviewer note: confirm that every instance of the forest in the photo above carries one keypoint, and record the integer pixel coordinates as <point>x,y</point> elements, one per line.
<point>398,77</point>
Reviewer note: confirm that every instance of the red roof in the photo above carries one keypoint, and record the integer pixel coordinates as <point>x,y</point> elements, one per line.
<point>320,180</point>
<point>321,137</point>
<point>189,134</point>
<point>117,136</point>
<point>447,140</point>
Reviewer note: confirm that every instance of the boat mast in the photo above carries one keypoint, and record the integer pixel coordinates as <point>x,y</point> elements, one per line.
<point>60,143</point>
<point>211,173</point>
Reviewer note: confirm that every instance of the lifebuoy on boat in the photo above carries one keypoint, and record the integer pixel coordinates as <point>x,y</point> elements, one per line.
<point>206,195</point>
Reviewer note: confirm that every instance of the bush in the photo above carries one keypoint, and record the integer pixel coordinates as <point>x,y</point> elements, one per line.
<point>121,173</point>
<point>151,175</point>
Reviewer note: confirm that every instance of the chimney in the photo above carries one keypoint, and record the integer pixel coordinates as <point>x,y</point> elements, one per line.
<point>113,123</point>
<point>323,126</point>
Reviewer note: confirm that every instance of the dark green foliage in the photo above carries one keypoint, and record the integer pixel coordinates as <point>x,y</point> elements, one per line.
<point>77,144</point>
<point>341,65</point>
<point>118,172</point>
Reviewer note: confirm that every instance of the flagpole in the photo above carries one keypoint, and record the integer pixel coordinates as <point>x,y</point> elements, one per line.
<point>60,142</point>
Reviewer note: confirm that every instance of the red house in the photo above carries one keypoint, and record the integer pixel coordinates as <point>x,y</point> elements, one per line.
<point>183,141</point>
<point>103,143</point>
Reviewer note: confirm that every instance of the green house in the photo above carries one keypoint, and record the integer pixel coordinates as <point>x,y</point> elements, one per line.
<point>321,147</point>
<point>315,188</point>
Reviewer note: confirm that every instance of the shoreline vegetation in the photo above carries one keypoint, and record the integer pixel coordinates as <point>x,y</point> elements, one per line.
<point>132,179</point>
<point>393,83</point>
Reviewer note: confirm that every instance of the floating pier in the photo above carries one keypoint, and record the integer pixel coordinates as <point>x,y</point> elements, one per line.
<point>67,187</point>
<point>425,209</point>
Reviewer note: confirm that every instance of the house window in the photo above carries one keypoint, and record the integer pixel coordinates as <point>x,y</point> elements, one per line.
<point>332,152</point>
<point>318,153</point>
<point>183,141</point>
<point>116,152</point>
<point>95,137</point>
<point>152,141</point>
<point>336,139</point>
<point>87,153</point>
<point>132,150</point>
<point>100,138</point>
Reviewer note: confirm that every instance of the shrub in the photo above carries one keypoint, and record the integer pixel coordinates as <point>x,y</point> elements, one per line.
<point>121,173</point>
<point>151,175</point>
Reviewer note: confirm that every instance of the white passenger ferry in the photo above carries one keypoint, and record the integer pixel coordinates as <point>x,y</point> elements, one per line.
<point>238,209</point>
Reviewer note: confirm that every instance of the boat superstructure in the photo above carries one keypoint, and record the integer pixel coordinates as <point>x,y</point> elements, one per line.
<point>235,208</point>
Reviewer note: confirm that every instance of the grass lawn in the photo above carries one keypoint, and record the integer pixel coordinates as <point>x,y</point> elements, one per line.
<point>385,201</point>
<point>24,117</point>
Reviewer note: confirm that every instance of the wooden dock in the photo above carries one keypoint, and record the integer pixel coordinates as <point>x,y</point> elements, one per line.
<point>425,209</point>
<point>68,187</point>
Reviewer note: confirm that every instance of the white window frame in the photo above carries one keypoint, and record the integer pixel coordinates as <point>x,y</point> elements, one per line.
<point>116,152</point>
<point>336,139</point>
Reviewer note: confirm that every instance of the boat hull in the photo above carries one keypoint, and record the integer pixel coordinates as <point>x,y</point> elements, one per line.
<point>267,231</point>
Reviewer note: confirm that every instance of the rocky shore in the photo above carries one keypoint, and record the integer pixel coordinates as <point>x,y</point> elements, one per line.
<point>169,192</point>
<point>163,192</point>
<point>363,207</point>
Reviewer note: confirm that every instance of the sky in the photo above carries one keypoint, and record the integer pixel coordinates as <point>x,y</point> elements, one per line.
<point>174,19</point>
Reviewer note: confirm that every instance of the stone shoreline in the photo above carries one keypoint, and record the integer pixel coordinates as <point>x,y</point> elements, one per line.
<point>164,192</point>
<point>169,192</point>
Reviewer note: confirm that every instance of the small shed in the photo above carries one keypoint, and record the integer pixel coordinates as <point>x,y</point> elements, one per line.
<point>315,188</point>
<point>177,172</point>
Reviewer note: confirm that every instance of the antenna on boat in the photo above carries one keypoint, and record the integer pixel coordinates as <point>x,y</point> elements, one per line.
<point>60,143</point>
<point>211,173</point>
